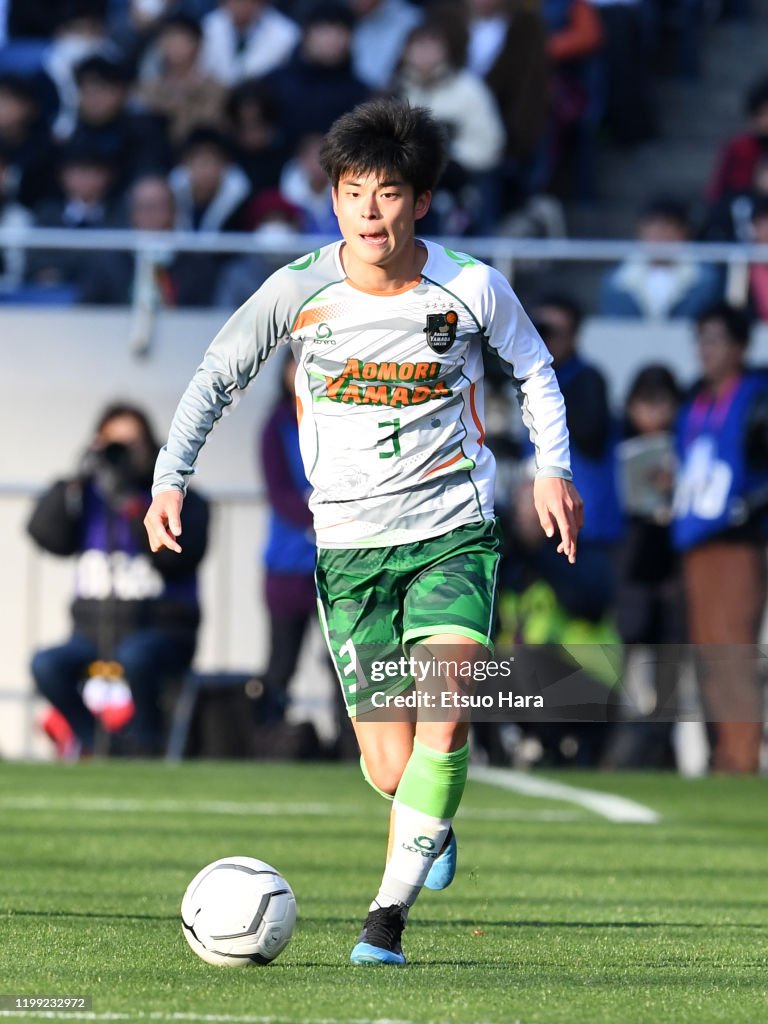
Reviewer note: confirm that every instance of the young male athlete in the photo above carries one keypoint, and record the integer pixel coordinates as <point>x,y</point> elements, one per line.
<point>387,330</point>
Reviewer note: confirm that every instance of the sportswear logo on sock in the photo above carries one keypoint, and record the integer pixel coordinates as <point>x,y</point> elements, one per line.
<point>423,845</point>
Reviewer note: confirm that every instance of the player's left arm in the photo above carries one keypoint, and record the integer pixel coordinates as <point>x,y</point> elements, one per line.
<point>509,331</point>
<point>559,506</point>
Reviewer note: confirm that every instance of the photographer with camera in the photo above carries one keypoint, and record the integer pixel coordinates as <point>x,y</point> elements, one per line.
<point>135,613</point>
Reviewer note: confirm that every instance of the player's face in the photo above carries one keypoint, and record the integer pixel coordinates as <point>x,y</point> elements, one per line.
<point>376,219</point>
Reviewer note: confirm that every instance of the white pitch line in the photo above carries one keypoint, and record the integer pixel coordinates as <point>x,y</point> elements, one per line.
<point>607,805</point>
<point>127,806</point>
<point>99,805</point>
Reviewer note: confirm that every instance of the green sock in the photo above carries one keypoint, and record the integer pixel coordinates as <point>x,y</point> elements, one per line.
<point>433,782</point>
<point>425,802</point>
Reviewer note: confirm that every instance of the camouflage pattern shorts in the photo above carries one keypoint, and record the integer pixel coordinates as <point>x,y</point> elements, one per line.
<point>374,603</point>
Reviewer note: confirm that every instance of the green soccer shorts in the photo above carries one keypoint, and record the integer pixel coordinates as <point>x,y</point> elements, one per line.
<point>374,603</point>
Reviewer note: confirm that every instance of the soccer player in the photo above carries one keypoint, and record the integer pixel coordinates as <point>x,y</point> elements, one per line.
<point>388,331</point>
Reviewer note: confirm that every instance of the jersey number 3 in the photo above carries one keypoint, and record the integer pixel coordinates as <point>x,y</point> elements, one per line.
<point>393,436</point>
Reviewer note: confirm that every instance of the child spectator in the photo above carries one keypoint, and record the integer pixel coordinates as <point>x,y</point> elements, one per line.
<point>659,288</point>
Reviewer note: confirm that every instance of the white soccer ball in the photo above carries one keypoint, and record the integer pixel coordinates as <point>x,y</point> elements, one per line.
<point>238,911</point>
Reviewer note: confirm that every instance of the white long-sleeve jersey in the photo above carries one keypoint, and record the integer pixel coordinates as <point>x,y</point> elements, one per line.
<point>389,393</point>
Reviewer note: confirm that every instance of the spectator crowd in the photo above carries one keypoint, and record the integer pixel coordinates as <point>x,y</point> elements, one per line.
<point>207,115</point>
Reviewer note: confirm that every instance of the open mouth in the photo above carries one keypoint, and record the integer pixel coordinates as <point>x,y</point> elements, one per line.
<point>377,238</point>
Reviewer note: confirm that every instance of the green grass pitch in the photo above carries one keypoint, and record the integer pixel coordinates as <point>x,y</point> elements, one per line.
<point>557,916</point>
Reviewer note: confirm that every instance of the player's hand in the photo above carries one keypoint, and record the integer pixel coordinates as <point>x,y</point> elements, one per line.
<point>163,521</point>
<point>559,505</point>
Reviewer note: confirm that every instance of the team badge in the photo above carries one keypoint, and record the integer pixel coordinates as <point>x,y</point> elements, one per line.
<point>441,330</point>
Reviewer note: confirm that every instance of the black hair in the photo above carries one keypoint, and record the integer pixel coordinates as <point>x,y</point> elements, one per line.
<point>105,70</point>
<point>653,382</point>
<point>447,21</point>
<point>666,208</point>
<point>328,12</point>
<point>182,21</point>
<point>736,321</point>
<point>386,137</point>
<point>757,96</point>
<point>115,409</point>
<point>21,86</point>
<point>564,301</point>
<point>84,152</point>
<point>253,91</point>
<point>209,138</point>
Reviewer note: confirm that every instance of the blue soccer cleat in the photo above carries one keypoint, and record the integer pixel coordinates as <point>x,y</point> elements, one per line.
<point>379,941</point>
<point>443,869</point>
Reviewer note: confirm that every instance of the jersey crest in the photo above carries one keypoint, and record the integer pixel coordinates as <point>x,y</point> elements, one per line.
<point>441,330</point>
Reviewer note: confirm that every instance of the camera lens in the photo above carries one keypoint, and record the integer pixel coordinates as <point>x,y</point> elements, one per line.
<point>115,454</point>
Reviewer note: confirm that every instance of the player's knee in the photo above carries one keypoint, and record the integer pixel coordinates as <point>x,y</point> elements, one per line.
<point>384,776</point>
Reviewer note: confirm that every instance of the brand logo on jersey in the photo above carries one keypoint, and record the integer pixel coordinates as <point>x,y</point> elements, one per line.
<point>441,330</point>
<point>305,261</point>
<point>323,336</point>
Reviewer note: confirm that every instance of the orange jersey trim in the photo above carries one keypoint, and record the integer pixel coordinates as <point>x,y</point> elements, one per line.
<point>475,417</point>
<point>448,462</point>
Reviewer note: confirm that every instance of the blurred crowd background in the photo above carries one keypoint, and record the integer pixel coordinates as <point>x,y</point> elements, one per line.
<point>597,117</point>
<point>643,119</point>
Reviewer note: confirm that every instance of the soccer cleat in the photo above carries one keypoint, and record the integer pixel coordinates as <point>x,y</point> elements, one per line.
<point>379,941</point>
<point>443,869</point>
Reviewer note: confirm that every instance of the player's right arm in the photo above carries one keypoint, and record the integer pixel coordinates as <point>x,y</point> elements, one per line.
<point>230,364</point>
